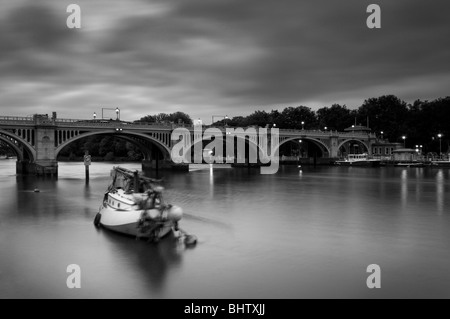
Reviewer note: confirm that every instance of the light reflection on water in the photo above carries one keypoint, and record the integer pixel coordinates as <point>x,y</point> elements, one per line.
<point>288,235</point>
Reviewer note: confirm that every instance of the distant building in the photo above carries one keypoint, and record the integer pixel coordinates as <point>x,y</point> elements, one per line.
<point>358,128</point>
<point>385,148</point>
<point>405,155</point>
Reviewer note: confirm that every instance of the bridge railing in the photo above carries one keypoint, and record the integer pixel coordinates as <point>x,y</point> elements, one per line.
<point>314,133</point>
<point>16,119</point>
<point>325,133</point>
<point>110,123</point>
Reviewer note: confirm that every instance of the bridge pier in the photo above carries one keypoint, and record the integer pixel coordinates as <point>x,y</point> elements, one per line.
<point>43,168</point>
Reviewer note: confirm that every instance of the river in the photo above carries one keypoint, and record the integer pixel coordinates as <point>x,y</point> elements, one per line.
<point>295,234</point>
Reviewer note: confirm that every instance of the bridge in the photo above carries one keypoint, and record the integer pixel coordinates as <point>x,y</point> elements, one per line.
<point>38,140</point>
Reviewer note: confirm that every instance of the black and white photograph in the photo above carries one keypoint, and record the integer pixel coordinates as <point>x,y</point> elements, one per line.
<point>216,151</point>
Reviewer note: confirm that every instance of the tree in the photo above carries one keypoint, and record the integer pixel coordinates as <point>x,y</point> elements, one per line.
<point>106,145</point>
<point>177,117</point>
<point>180,117</point>
<point>292,118</point>
<point>258,118</point>
<point>386,113</point>
<point>336,117</point>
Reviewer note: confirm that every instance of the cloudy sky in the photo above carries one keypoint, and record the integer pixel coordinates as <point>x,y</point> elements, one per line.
<point>217,57</point>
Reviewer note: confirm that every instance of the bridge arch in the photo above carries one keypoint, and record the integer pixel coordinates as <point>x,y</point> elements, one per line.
<point>14,147</point>
<point>122,134</point>
<point>353,140</point>
<point>250,146</point>
<point>10,138</point>
<point>323,147</point>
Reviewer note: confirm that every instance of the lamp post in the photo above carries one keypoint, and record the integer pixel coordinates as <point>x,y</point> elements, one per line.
<point>117,110</point>
<point>382,134</point>
<point>440,143</point>
<point>303,125</point>
<point>95,115</point>
<point>404,141</point>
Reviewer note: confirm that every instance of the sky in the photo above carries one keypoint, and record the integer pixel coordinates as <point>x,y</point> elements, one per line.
<point>217,57</point>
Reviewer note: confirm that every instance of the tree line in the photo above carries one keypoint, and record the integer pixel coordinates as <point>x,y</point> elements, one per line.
<point>388,116</point>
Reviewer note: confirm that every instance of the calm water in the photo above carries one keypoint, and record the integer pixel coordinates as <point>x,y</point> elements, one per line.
<point>308,234</point>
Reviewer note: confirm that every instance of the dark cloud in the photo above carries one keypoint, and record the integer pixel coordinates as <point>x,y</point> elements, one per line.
<point>229,56</point>
<point>33,39</point>
<point>36,26</point>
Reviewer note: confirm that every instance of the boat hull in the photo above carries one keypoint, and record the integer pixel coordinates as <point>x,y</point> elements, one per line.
<point>127,222</point>
<point>359,163</point>
<point>440,163</point>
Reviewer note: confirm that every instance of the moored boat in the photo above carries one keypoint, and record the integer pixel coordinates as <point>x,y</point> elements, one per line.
<point>134,205</point>
<point>441,163</point>
<point>359,160</point>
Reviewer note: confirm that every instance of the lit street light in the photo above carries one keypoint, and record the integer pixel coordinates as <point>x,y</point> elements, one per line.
<point>440,143</point>
<point>404,141</point>
<point>303,125</point>
<point>224,116</point>
<point>117,113</point>
<point>95,115</point>
<point>382,134</point>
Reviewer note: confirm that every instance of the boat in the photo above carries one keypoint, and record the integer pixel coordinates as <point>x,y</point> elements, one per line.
<point>441,163</point>
<point>359,160</point>
<point>134,205</point>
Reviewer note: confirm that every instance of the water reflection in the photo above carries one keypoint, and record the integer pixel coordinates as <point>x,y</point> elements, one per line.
<point>152,262</point>
<point>440,191</point>
<point>404,189</point>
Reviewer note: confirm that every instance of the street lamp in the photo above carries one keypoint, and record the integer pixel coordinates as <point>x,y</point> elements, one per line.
<point>95,115</point>
<point>110,109</point>
<point>326,128</point>
<point>440,143</point>
<point>303,125</point>
<point>404,141</point>
<point>382,134</point>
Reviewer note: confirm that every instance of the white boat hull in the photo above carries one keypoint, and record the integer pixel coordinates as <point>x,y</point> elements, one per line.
<point>127,222</point>
<point>368,163</point>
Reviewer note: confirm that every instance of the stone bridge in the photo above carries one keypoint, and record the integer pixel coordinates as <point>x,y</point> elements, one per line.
<point>38,140</point>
